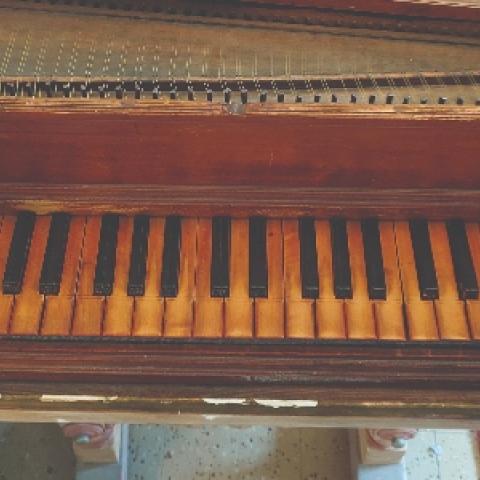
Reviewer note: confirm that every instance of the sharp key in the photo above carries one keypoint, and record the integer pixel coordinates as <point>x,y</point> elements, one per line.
<point>373,259</point>
<point>263,97</point>
<point>442,100</point>
<point>209,95</point>
<point>173,95</point>
<point>156,93</point>
<point>149,308</point>
<point>53,261</point>
<point>353,98</point>
<point>280,97</point>
<point>420,314</point>
<point>427,277</point>
<point>298,99</point>
<point>138,256</point>
<point>105,267</point>
<point>220,282</point>
<point>341,259</point>
<point>371,99</point>
<point>317,98</point>
<point>190,94</point>
<point>208,310</point>
<point>334,98</point>
<point>308,258</point>
<point>467,284</point>
<point>239,305</point>
<point>258,271</point>
<point>171,257</point>
<point>18,253</point>
<point>118,92</point>
<point>460,101</point>
<point>390,99</point>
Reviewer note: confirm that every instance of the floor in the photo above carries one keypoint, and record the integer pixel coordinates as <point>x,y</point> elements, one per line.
<point>156,452</point>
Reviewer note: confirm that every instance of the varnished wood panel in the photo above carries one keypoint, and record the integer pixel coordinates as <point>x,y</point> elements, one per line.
<point>262,146</point>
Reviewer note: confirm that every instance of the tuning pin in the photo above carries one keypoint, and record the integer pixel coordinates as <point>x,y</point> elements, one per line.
<point>155,93</point>
<point>459,101</point>
<point>66,90</point>
<point>209,95</point>
<point>227,94</point>
<point>138,91</point>
<point>118,92</point>
<point>49,90</point>
<point>334,98</point>
<point>263,97</point>
<point>11,89</point>
<point>442,100</point>
<point>281,97</point>
<point>243,95</point>
<point>29,90</point>
<point>317,98</point>
<point>390,99</point>
<point>353,98</point>
<point>372,99</point>
<point>298,99</point>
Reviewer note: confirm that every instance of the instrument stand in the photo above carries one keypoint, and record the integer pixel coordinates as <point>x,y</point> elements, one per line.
<point>101,450</point>
<point>378,453</point>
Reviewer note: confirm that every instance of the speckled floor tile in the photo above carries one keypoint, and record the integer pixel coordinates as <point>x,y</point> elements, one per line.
<point>421,459</point>
<point>325,454</point>
<point>456,457</point>
<point>229,453</point>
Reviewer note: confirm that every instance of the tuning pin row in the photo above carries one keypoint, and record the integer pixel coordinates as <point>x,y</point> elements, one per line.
<point>144,90</point>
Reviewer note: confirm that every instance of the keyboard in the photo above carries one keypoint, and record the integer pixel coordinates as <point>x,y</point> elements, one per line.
<point>139,275</point>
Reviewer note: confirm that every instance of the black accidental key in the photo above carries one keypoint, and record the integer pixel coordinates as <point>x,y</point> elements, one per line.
<point>105,269</point>
<point>372,249</point>
<point>171,257</point>
<point>342,278</point>
<point>219,276</point>
<point>462,260</point>
<point>422,250</point>
<point>138,256</point>
<point>258,270</point>
<point>52,268</point>
<point>18,253</point>
<point>308,258</point>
